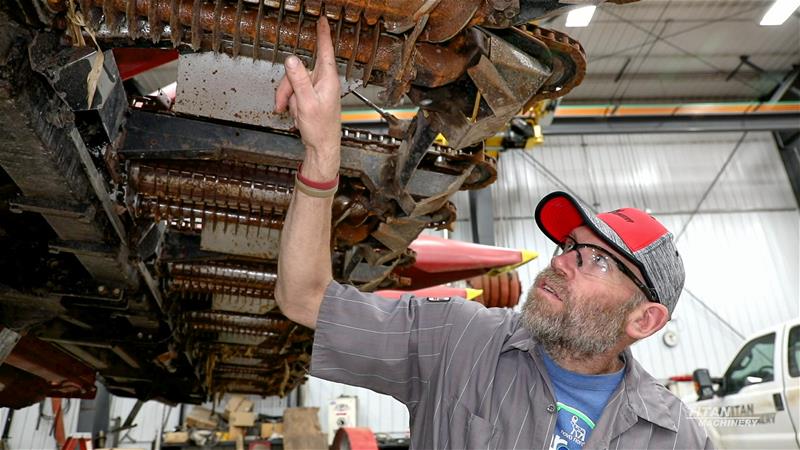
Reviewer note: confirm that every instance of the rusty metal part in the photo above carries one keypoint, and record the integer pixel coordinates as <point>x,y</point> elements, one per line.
<point>442,19</point>
<point>499,291</point>
<point>568,63</point>
<point>189,285</point>
<point>429,58</point>
<point>237,369</point>
<point>236,287</point>
<point>491,92</point>
<point>241,351</point>
<point>188,199</point>
<point>237,323</point>
<point>484,173</point>
<point>232,275</point>
<point>66,376</point>
<point>190,194</point>
<point>186,216</point>
<point>259,26</point>
<point>251,189</point>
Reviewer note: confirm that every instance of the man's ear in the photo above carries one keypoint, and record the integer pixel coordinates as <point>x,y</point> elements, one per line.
<point>646,319</point>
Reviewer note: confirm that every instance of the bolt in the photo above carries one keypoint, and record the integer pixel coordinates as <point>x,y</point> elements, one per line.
<point>116,292</point>
<point>102,290</point>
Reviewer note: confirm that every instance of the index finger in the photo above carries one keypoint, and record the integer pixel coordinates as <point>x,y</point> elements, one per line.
<point>326,59</point>
<point>282,94</point>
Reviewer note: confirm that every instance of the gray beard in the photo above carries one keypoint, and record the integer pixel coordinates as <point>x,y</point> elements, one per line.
<point>580,330</point>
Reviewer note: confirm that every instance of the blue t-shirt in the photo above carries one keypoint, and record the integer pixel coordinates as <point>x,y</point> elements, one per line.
<point>580,400</point>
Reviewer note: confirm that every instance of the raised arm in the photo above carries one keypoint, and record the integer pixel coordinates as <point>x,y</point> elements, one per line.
<point>304,263</point>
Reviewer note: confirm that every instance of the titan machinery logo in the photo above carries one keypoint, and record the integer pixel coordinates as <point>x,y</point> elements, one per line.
<point>731,416</point>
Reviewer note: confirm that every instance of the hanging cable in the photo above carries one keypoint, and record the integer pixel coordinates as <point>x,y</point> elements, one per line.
<point>711,186</point>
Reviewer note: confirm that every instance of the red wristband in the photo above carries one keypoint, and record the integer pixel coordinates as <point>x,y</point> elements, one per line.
<point>321,185</point>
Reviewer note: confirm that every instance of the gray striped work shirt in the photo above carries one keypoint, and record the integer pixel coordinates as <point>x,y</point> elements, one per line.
<point>472,377</point>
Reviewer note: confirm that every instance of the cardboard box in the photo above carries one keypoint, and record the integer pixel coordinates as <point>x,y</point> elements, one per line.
<point>236,432</point>
<point>308,441</point>
<point>176,437</point>
<point>201,417</point>
<point>300,420</point>
<point>270,428</point>
<point>301,430</point>
<point>238,403</point>
<point>242,419</point>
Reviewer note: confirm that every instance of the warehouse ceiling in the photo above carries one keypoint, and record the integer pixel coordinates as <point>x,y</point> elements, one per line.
<point>681,51</point>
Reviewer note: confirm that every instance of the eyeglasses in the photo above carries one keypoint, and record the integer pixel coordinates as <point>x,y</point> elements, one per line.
<point>599,263</point>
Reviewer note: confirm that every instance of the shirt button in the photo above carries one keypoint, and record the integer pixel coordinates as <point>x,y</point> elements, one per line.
<point>551,408</point>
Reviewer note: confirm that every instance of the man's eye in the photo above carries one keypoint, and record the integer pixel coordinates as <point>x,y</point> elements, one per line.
<point>601,261</point>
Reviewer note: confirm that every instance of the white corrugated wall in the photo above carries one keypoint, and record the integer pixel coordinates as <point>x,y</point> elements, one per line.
<point>30,432</point>
<point>151,419</point>
<point>741,248</point>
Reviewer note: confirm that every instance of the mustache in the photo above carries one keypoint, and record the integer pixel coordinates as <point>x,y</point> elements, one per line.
<point>555,281</point>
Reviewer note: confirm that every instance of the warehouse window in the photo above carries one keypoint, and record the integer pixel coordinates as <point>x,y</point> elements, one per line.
<point>754,364</point>
<point>794,351</point>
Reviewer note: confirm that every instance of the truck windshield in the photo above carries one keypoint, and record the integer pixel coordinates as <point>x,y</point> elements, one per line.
<point>754,364</point>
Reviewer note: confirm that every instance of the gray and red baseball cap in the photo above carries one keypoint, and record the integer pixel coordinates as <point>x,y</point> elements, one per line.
<point>633,233</point>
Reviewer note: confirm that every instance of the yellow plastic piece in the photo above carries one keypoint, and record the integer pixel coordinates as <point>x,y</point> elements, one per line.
<point>473,293</point>
<point>495,141</point>
<point>536,139</point>
<point>527,256</point>
<point>440,139</point>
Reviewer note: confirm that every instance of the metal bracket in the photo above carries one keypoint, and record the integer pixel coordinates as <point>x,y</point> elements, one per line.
<point>234,89</point>
<point>83,213</point>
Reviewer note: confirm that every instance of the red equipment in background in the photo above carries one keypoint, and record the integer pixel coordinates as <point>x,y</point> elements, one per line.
<point>489,271</point>
<point>36,369</point>
<point>441,261</point>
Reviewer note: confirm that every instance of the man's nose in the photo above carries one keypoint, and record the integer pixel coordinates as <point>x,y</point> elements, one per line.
<point>566,264</point>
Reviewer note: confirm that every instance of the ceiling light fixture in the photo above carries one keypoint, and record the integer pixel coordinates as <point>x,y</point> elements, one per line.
<point>779,12</point>
<point>580,17</point>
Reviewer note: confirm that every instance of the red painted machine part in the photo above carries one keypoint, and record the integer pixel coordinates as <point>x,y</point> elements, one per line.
<point>442,261</point>
<point>41,370</point>
<point>355,438</point>
<point>133,61</point>
<point>499,291</point>
<point>436,255</point>
<point>436,291</point>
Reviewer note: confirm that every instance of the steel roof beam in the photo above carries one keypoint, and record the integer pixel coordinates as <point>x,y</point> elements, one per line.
<point>683,124</point>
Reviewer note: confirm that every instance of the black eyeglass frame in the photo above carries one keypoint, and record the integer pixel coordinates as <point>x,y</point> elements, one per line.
<point>622,267</point>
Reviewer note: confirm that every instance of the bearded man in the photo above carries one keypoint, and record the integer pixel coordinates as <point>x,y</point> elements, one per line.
<point>558,375</point>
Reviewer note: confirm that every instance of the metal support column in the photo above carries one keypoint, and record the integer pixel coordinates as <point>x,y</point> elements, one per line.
<point>481,216</point>
<point>788,139</point>
<point>789,148</point>
<point>94,415</point>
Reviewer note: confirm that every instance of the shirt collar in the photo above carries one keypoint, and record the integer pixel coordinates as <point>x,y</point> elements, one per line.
<point>643,394</point>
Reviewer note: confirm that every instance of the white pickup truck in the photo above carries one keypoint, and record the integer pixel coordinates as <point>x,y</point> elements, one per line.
<point>756,403</point>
